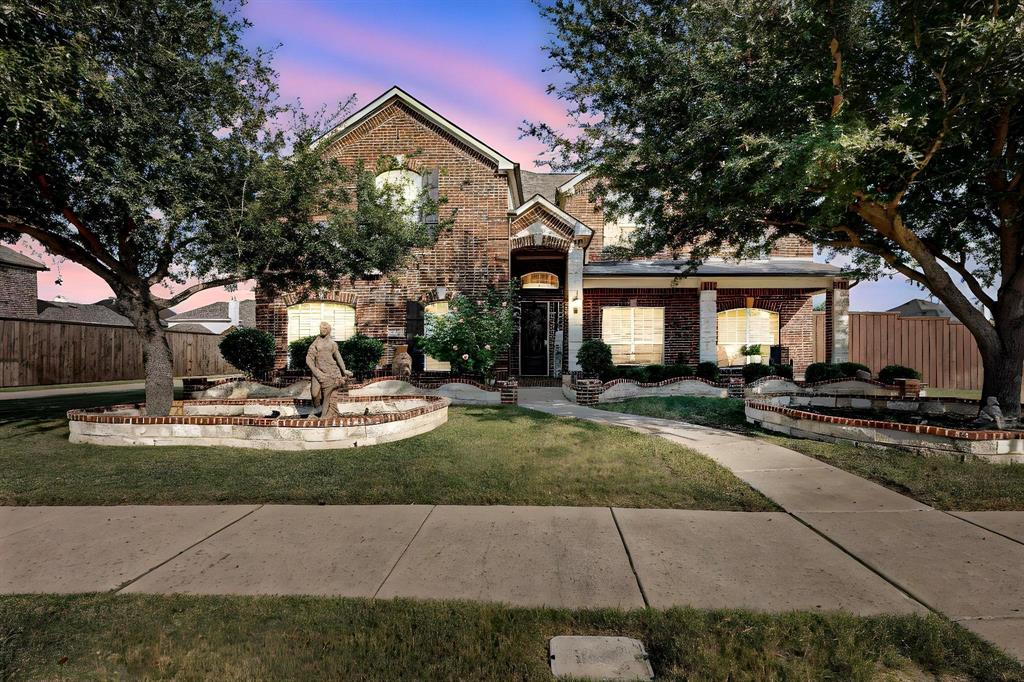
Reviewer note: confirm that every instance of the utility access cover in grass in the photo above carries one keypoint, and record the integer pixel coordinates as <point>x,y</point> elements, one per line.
<point>600,658</point>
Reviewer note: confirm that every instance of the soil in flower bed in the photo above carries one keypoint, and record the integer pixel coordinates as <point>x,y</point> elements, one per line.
<point>948,421</point>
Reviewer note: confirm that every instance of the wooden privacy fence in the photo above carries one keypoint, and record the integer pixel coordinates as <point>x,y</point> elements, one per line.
<point>37,352</point>
<point>943,351</point>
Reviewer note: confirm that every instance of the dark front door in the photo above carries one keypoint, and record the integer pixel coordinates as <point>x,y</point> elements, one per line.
<point>533,338</point>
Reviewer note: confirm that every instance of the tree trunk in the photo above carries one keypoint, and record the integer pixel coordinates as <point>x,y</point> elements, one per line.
<point>1003,370</point>
<point>156,352</point>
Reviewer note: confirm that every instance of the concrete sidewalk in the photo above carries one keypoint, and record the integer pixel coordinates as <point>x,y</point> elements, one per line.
<point>573,557</point>
<point>969,566</point>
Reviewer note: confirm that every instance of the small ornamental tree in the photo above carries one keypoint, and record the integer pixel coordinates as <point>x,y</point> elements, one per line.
<point>249,349</point>
<point>595,358</point>
<point>474,333</point>
<point>146,142</point>
<point>888,131</point>
<point>361,354</point>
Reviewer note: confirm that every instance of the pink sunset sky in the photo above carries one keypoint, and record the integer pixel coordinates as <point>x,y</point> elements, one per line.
<point>479,64</point>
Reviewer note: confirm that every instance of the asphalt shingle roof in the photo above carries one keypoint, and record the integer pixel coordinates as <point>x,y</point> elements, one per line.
<point>218,311</point>
<point>544,184</point>
<point>89,313</point>
<point>9,256</point>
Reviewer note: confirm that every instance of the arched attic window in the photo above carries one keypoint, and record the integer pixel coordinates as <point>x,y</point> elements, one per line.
<point>539,280</point>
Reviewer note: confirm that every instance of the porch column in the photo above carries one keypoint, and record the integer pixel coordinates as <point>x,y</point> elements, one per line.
<point>839,313</point>
<point>574,292</point>
<point>709,322</point>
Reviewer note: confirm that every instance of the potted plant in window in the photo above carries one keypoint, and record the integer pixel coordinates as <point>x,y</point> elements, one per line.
<point>752,353</point>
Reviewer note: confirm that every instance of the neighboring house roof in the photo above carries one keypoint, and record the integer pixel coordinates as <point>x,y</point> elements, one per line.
<point>919,307</point>
<point>218,312</point>
<point>503,163</point>
<point>9,256</point>
<point>190,327</point>
<point>111,303</point>
<point>574,179</point>
<point>544,184</point>
<point>674,268</point>
<point>88,313</point>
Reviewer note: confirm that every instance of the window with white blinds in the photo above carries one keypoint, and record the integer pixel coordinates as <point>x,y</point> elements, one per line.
<point>304,319</point>
<point>635,335</point>
<point>429,363</point>
<point>745,327</point>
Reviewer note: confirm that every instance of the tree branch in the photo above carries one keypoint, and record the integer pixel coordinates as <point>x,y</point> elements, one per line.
<point>185,294</point>
<point>88,236</point>
<point>61,246</point>
<point>929,154</point>
<point>960,267</point>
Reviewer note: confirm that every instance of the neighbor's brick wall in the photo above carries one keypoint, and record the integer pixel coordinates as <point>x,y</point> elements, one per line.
<point>682,317</point>
<point>468,258</point>
<point>18,292</point>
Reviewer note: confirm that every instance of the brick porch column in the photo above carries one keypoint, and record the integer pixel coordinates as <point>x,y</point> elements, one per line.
<point>574,316</point>
<point>708,321</point>
<point>838,310</point>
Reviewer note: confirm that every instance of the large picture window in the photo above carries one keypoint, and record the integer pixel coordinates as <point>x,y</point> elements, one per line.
<point>304,319</point>
<point>429,363</point>
<point>635,335</point>
<point>744,327</point>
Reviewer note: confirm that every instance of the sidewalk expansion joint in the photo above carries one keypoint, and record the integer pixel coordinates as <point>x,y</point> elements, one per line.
<point>194,544</point>
<point>984,528</point>
<point>400,556</point>
<point>906,592</point>
<point>629,557</point>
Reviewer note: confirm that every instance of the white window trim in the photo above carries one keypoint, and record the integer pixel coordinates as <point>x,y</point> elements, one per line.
<point>632,332</point>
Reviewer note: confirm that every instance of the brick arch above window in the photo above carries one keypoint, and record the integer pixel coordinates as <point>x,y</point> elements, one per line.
<point>322,295</point>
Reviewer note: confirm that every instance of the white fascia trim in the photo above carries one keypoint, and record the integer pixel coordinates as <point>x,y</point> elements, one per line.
<point>579,229</point>
<point>693,281</point>
<point>504,164</point>
<point>569,187</point>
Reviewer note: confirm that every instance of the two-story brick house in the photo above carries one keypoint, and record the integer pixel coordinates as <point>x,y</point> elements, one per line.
<point>543,229</point>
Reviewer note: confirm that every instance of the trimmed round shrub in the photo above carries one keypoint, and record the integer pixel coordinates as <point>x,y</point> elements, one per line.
<point>754,371</point>
<point>821,371</point>
<point>297,350</point>
<point>781,371</point>
<point>850,369</point>
<point>889,373</point>
<point>595,358</point>
<point>249,349</point>
<point>708,371</point>
<point>361,354</point>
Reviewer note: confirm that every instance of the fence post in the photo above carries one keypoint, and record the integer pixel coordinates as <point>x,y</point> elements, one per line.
<point>587,391</point>
<point>509,392</point>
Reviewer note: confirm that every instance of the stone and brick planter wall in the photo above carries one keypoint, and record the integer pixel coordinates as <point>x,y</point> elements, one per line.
<point>783,414</point>
<point>592,391</point>
<point>775,385</point>
<point>266,424</point>
<point>458,390</point>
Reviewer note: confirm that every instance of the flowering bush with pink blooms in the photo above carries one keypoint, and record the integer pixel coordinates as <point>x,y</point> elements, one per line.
<point>474,333</point>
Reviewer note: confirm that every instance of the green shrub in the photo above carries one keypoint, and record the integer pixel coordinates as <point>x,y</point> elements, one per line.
<point>782,371</point>
<point>754,371</point>
<point>249,349</point>
<point>361,354</point>
<point>890,373</point>
<point>297,350</point>
<point>850,369</point>
<point>708,371</point>
<point>822,371</point>
<point>595,358</point>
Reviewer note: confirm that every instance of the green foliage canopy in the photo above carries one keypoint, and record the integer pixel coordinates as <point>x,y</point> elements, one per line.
<point>474,333</point>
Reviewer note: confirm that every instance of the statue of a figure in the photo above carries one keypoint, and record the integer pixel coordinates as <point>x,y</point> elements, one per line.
<point>401,365</point>
<point>329,373</point>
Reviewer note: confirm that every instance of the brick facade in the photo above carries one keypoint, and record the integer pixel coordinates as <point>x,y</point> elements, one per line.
<point>682,317</point>
<point>469,257</point>
<point>18,292</point>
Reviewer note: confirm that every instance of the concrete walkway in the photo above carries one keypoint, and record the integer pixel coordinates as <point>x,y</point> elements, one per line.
<point>969,566</point>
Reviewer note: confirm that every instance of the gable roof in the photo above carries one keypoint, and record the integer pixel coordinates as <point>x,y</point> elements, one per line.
<point>396,93</point>
<point>579,229</point>
<point>573,181</point>
<point>544,184</point>
<point>919,307</point>
<point>88,313</point>
<point>218,312</point>
<point>9,256</point>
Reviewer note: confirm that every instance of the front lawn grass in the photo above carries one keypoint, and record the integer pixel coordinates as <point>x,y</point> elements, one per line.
<point>483,455</point>
<point>181,637</point>
<point>943,483</point>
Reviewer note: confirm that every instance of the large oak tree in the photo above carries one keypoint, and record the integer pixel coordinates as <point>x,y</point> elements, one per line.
<point>887,130</point>
<point>146,142</point>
